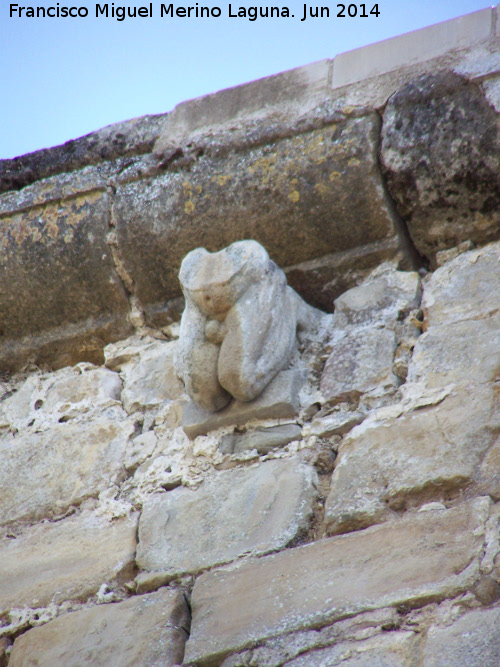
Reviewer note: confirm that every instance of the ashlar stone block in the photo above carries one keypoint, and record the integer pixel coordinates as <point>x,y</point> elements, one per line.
<point>144,631</point>
<point>236,512</point>
<point>147,368</point>
<point>262,439</point>
<point>466,288</point>
<point>417,457</point>
<point>360,361</point>
<point>279,400</point>
<point>65,560</point>
<point>325,185</point>
<point>467,351</point>
<point>240,324</point>
<point>395,649</point>
<point>420,557</point>
<point>440,152</point>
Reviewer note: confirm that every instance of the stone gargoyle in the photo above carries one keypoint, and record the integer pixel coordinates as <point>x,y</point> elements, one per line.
<point>240,324</point>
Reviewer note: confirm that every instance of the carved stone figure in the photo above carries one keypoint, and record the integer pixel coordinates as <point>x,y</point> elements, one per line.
<point>240,324</point>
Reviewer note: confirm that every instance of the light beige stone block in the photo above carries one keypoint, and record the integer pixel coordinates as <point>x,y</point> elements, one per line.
<point>412,48</point>
<point>147,368</point>
<point>236,512</point>
<point>472,641</point>
<point>394,649</point>
<point>144,631</point>
<point>422,556</point>
<point>417,457</point>
<point>380,298</point>
<point>66,560</point>
<point>462,352</point>
<point>261,439</point>
<point>42,474</point>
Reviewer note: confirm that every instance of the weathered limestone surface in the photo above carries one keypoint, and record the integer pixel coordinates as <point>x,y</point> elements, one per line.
<point>236,512</point>
<point>147,368</point>
<point>147,631</point>
<point>52,295</point>
<point>382,297</point>
<point>466,288</point>
<point>279,400</point>
<point>475,342</point>
<point>472,641</point>
<point>240,324</point>
<point>359,362</point>
<point>262,439</point>
<point>426,555</point>
<point>441,151</point>
<point>369,323</point>
<point>281,650</point>
<point>398,649</point>
<point>324,184</point>
<point>419,456</point>
<point>131,137</point>
<point>42,474</point>
<point>66,560</point>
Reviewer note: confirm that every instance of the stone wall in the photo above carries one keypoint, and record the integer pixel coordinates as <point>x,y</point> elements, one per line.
<point>352,516</point>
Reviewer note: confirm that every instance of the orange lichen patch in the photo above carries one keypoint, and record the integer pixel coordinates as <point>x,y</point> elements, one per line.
<point>44,224</point>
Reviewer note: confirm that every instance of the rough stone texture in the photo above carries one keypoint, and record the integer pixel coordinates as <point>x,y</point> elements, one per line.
<point>472,641</point>
<point>5,643</point>
<point>240,325</point>
<point>370,321</point>
<point>466,288</point>
<point>475,342</point>
<point>324,184</point>
<point>147,631</point>
<point>422,45</point>
<point>67,560</point>
<point>280,650</point>
<point>398,649</point>
<point>280,400</point>
<point>131,137</point>
<point>53,296</point>
<point>42,401</point>
<point>361,361</point>
<point>441,151</point>
<point>42,474</point>
<point>261,439</point>
<point>423,556</point>
<point>461,308</point>
<point>381,298</point>
<point>488,475</point>
<point>236,512</point>
<point>336,423</point>
<point>320,281</point>
<point>419,456</point>
<point>147,368</point>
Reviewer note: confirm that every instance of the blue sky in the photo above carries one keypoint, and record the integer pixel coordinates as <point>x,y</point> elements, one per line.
<point>62,78</point>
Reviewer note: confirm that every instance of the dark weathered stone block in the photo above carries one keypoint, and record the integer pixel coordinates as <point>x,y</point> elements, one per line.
<point>441,156</point>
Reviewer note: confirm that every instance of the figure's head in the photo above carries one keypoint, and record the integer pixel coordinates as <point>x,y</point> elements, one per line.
<point>215,281</point>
